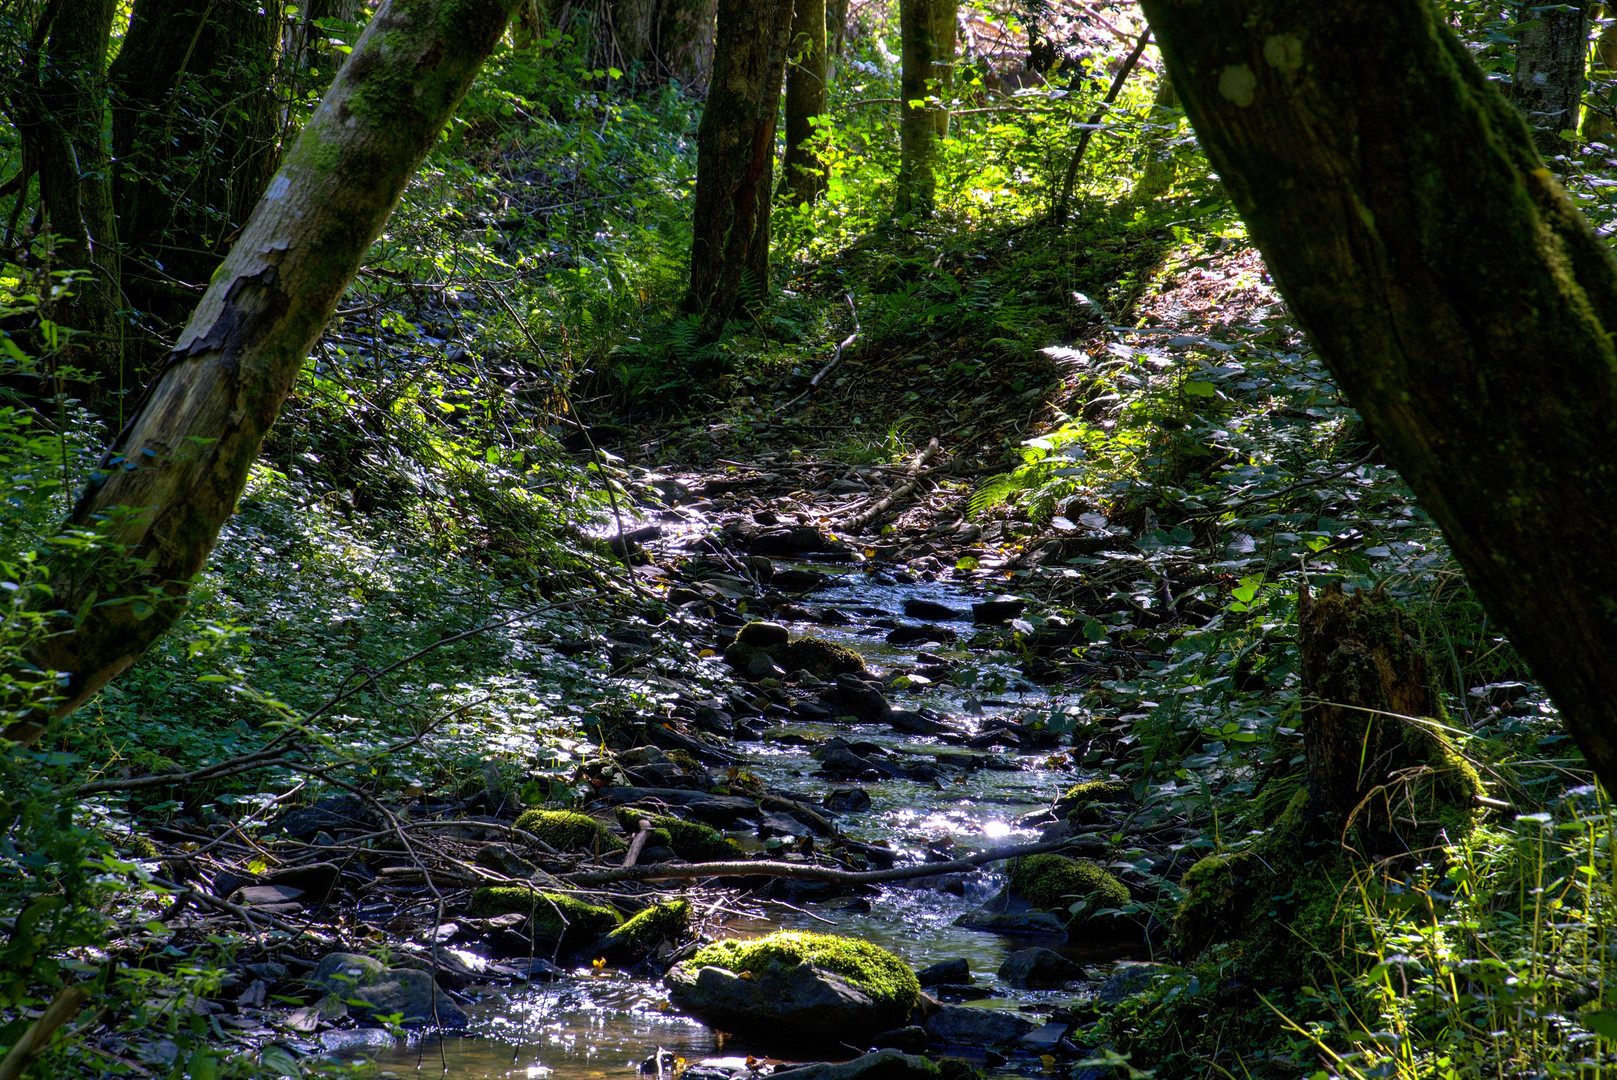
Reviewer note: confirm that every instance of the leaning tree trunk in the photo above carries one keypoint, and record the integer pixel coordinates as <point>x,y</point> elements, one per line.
<point>172,477</point>
<point>917,130</point>
<point>1551,47</point>
<point>1462,303</point>
<point>65,126</point>
<point>805,176</point>
<point>195,127</point>
<point>735,159</point>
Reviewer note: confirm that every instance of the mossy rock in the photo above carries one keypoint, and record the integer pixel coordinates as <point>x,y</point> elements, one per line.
<point>643,932</point>
<point>821,658</point>
<point>1083,803</point>
<point>1055,883</point>
<point>691,840</point>
<point>884,978</point>
<point>552,916</point>
<point>568,830</point>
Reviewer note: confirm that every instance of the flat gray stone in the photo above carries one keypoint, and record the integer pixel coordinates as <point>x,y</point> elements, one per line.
<point>780,1005</point>
<point>962,1025</point>
<point>362,986</point>
<point>1036,966</point>
<point>1044,1039</point>
<point>890,1064</point>
<point>956,972</point>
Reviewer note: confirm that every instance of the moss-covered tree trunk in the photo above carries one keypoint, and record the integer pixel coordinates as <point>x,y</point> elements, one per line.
<point>945,28</point>
<point>195,132</point>
<point>804,173</point>
<point>172,477</point>
<point>917,129</point>
<point>735,160</point>
<point>61,121</point>
<point>1461,301</point>
<point>633,22</point>
<point>1552,43</point>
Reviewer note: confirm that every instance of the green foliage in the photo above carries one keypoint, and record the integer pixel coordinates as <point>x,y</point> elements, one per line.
<point>552,916</point>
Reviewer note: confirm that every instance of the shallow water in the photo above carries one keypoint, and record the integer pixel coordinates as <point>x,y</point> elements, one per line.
<point>595,1027</point>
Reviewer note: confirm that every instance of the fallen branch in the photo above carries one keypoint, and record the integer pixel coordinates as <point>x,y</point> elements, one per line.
<point>63,1007</point>
<point>805,872</point>
<point>835,357</point>
<point>866,517</point>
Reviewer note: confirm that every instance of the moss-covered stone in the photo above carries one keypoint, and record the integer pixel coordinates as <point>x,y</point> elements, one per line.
<point>881,976</point>
<point>1094,791</point>
<point>643,932</point>
<point>1055,883</point>
<point>820,658</point>
<point>552,916</point>
<point>691,840</point>
<point>568,830</point>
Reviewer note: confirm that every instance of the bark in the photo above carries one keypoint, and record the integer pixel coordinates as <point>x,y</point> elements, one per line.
<point>65,128</point>
<point>195,128</point>
<point>945,26</point>
<point>735,160</point>
<point>685,41</point>
<point>917,130</point>
<point>1548,86</point>
<point>1158,175</point>
<point>805,176</point>
<point>172,477</point>
<point>1463,305</point>
<point>836,17</point>
<point>632,25</point>
<point>1598,122</point>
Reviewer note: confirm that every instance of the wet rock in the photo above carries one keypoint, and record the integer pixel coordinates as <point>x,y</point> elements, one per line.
<point>911,1039</point>
<point>913,723</point>
<point>796,580</point>
<point>1016,918</point>
<point>1128,980</point>
<point>962,1025</point>
<point>909,635</point>
<point>930,610</point>
<point>362,986</point>
<point>637,938</point>
<point>955,972</point>
<point>796,540</point>
<point>781,825</point>
<point>761,635</point>
<point>500,858</point>
<point>997,609</point>
<point>848,801</point>
<point>336,814</point>
<point>1043,1040</point>
<point>862,700</point>
<point>316,880</point>
<point>841,763</point>
<point>782,988</point>
<point>760,665</point>
<point>1036,967</point>
<point>890,1064</point>
<point>719,810</point>
<point>274,899</point>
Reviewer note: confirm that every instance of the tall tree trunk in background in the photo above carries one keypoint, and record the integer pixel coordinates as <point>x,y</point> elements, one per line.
<point>945,27</point>
<point>1158,174</point>
<point>632,24</point>
<point>804,172</point>
<point>917,129</point>
<point>735,158</point>
<point>836,25</point>
<point>1598,124</point>
<point>194,131</point>
<point>172,477</point>
<point>1463,304</point>
<point>1552,43</point>
<point>685,41</point>
<point>64,124</point>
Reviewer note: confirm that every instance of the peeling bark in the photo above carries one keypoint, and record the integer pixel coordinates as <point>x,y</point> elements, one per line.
<point>1463,304</point>
<point>172,477</point>
<point>1551,45</point>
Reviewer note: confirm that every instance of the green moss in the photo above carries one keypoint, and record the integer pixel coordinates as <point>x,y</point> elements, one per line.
<point>691,840</point>
<point>646,930</point>
<point>885,978</point>
<point>1055,883</point>
<point>568,830</point>
<point>1094,791</point>
<point>818,657</point>
<point>552,915</point>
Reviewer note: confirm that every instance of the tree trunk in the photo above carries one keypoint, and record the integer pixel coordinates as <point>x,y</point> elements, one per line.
<point>685,41</point>
<point>66,130</point>
<point>917,130</point>
<point>632,25</point>
<point>1551,46</point>
<point>172,477</point>
<point>1158,175</point>
<point>805,176</point>
<point>1598,123</point>
<point>195,126</point>
<point>945,26</point>
<point>836,18</point>
<point>735,159</point>
<point>1460,300</point>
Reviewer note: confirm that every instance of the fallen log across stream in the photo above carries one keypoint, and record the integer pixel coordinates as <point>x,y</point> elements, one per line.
<point>803,871</point>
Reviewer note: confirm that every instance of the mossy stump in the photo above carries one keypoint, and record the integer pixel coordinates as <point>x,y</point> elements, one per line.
<point>691,840</point>
<point>570,831</point>
<point>551,916</point>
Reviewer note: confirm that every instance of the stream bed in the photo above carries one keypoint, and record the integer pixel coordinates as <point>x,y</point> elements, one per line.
<point>604,1024</point>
